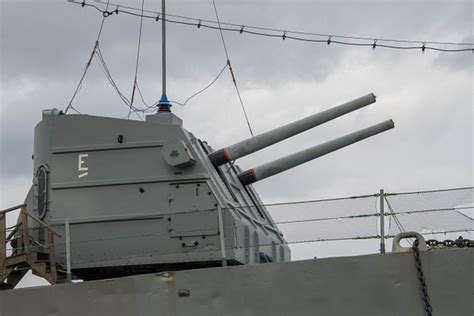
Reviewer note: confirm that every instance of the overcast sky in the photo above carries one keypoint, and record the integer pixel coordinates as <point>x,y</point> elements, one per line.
<point>45,44</point>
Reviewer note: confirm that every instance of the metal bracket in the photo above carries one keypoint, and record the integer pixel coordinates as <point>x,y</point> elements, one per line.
<point>396,247</point>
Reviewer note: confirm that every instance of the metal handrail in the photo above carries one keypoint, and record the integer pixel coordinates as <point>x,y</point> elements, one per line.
<point>22,208</point>
<point>21,232</point>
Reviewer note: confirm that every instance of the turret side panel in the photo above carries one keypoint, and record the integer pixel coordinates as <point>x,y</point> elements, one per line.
<point>125,203</point>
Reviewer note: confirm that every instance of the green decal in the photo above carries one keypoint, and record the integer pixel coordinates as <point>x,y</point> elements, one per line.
<point>174,154</point>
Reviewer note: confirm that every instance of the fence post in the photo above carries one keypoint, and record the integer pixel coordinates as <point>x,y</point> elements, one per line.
<point>68,251</point>
<point>382,221</point>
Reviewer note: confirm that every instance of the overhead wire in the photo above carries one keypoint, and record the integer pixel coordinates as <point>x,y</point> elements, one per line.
<point>327,38</point>
<point>280,30</point>
<point>232,27</point>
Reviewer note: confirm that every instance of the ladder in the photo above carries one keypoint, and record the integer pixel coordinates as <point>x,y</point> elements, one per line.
<point>27,252</point>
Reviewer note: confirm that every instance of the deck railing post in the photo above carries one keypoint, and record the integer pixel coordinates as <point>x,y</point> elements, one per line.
<point>68,251</point>
<point>382,221</point>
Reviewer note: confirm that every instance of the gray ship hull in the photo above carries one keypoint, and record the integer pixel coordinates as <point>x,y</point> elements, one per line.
<point>362,285</point>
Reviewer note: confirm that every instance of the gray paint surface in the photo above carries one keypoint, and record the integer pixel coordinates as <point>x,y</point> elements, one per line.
<point>362,285</point>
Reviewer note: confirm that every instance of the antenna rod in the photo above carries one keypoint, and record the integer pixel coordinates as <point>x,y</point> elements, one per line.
<point>163,44</point>
<point>164,104</point>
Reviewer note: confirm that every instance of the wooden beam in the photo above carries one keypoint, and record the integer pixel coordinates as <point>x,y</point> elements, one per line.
<point>12,208</point>
<point>25,232</point>
<point>23,210</point>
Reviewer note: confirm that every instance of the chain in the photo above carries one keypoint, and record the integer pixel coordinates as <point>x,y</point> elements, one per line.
<point>460,243</point>
<point>421,278</point>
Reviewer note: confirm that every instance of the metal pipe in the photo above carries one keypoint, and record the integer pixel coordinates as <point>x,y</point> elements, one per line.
<point>274,167</point>
<point>68,251</point>
<point>382,221</point>
<point>276,135</point>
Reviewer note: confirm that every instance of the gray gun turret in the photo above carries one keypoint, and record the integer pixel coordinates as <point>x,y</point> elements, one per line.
<point>253,144</point>
<point>150,196</point>
<point>274,167</point>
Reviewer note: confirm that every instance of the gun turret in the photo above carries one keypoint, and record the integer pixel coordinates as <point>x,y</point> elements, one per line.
<point>274,167</point>
<point>253,144</point>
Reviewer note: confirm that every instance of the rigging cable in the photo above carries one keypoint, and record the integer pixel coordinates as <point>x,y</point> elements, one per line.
<point>137,62</point>
<point>289,34</point>
<point>141,97</point>
<point>106,71</point>
<point>96,45</point>
<point>203,89</point>
<point>151,108</point>
<point>137,88</point>
<point>230,68</point>
<point>395,218</point>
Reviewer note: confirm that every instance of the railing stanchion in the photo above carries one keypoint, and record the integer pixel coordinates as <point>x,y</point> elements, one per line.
<point>68,251</point>
<point>382,221</point>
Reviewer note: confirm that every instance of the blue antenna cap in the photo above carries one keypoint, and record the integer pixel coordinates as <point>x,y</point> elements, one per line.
<point>164,104</point>
<point>164,100</point>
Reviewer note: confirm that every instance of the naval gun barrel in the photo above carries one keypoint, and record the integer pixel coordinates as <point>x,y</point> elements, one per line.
<point>253,144</point>
<point>282,164</point>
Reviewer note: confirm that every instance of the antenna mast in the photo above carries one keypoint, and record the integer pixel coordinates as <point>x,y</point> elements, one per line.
<point>163,105</point>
